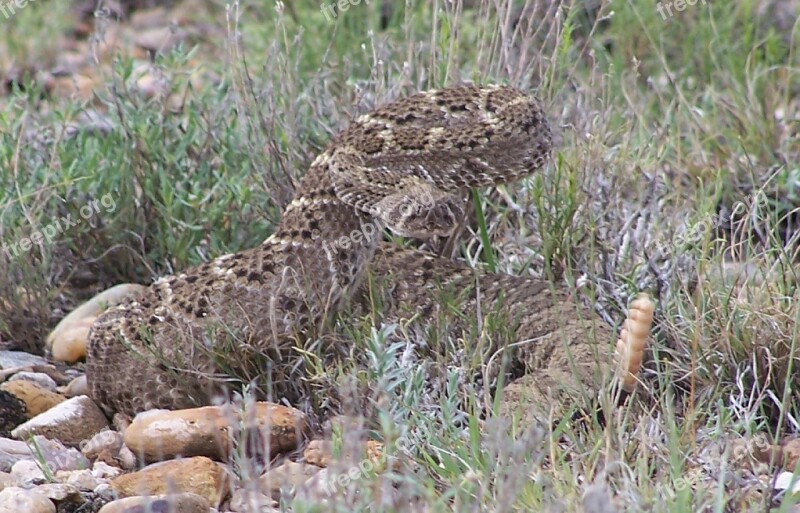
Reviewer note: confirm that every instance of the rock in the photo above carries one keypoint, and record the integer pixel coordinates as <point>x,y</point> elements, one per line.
<point>37,400</point>
<point>13,359</point>
<point>76,387</point>
<point>28,473</point>
<point>40,378</point>
<point>70,422</point>
<point>288,475</point>
<point>54,453</point>
<point>81,479</point>
<point>251,501</point>
<point>7,480</point>
<point>59,492</point>
<point>120,422</point>
<point>160,434</point>
<point>19,500</point>
<point>106,441</point>
<point>106,492</point>
<point>57,376</point>
<point>12,451</point>
<point>57,455</point>
<point>322,485</point>
<point>126,458</point>
<point>283,427</point>
<point>175,503</point>
<point>320,452</point>
<point>787,481</point>
<point>199,475</point>
<point>67,341</point>
<point>107,449</point>
<point>105,471</point>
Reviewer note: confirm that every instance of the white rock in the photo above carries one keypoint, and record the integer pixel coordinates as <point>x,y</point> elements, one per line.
<point>70,422</point>
<point>13,359</point>
<point>81,479</point>
<point>58,492</point>
<point>7,481</point>
<point>787,481</point>
<point>105,491</point>
<point>40,378</point>
<point>12,451</point>
<point>179,502</point>
<point>76,387</point>
<point>287,476</point>
<point>54,453</point>
<point>127,460</point>
<point>320,486</point>
<point>28,473</point>
<point>105,471</point>
<point>19,500</point>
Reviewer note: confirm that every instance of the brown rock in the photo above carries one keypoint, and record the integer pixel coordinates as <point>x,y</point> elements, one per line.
<point>176,503</point>
<point>289,475</point>
<point>282,426</point>
<point>37,399</point>
<point>158,435</point>
<point>70,422</point>
<point>198,475</point>
<point>320,452</point>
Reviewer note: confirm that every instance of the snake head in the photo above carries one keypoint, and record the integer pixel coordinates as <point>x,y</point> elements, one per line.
<point>420,211</point>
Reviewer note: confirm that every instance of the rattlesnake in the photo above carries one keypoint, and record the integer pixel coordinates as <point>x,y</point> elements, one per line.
<point>401,166</point>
